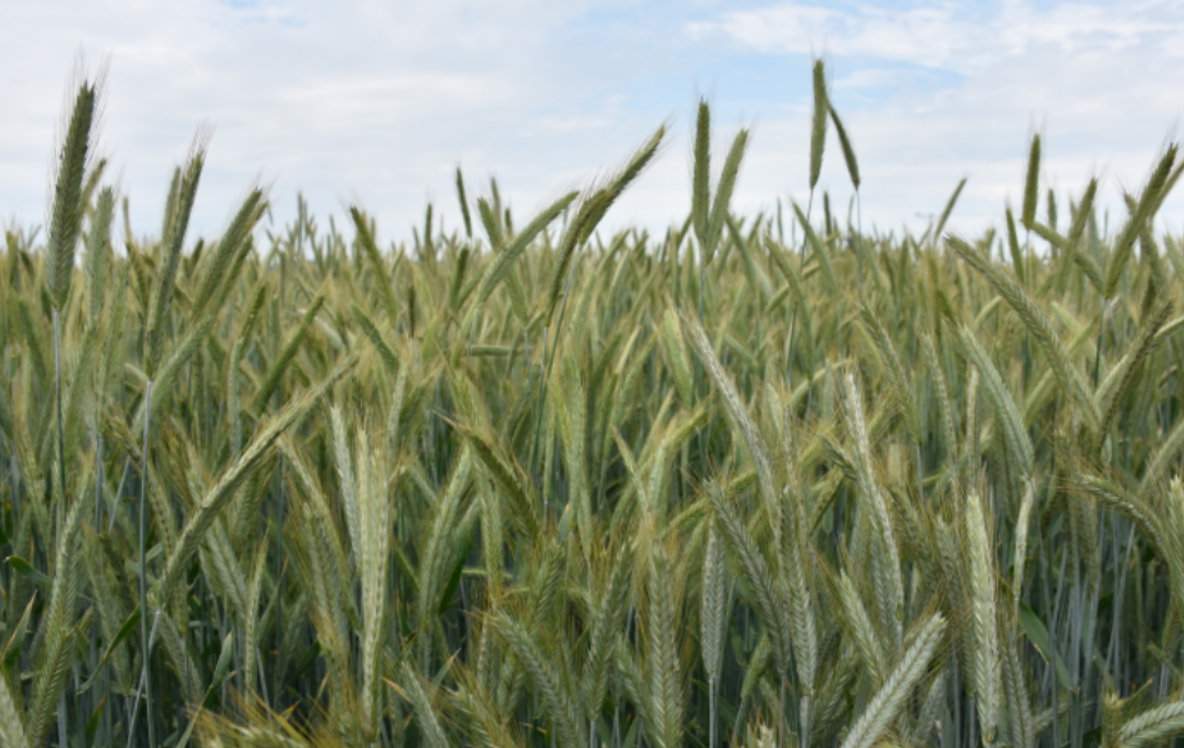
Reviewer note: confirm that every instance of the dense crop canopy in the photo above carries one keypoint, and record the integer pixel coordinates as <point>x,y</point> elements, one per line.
<point>764,480</point>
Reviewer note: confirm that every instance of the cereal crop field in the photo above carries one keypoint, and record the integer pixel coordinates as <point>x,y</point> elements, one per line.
<point>761,480</point>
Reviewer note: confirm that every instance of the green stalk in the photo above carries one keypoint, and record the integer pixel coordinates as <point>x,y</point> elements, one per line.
<point>63,727</point>
<point>57,380</point>
<point>142,538</point>
<point>712,708</point>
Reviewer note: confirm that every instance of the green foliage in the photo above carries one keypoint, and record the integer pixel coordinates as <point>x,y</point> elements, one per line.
<point>560,486</point>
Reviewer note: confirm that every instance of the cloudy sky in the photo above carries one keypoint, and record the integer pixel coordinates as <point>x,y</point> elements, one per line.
<point>377,102</point>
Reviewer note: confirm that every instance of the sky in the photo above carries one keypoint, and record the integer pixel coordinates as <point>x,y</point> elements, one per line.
<point>376,103</point>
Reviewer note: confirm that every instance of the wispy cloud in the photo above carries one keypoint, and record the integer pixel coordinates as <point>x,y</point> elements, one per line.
<point>963,37</point>
<point>889,34</point>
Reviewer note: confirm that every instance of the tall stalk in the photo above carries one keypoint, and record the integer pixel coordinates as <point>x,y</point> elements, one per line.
<point>141,547</point>
<point>65,226</point>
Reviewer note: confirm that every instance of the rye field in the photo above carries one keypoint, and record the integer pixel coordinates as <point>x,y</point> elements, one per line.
<point>765,480</point>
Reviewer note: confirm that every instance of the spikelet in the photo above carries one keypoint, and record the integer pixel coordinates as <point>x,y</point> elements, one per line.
<point>425,716</point>
<point>177,212</point>
<point>1015,435</point>
<point>944,402</point>
<point>549,683</point>
<point>346,485</point>
<point>665,687</point>
<point>499,268</point>
<point>1121,377</point>
<point>879,714</point>
<point>1013,246</point>
<point>466,215</point>
<point>433,567</point>
<point>713,612</point>
<point>1163,458</point>
<point>817,248</point>
<point>594,207</point>
<point>569,402</point>
<point>890,582</point>
<point>58,629</point>
<point>218,269</point>
<point>948,209</point>
<point>1153,726</point>
<point>701,181</point>
<point>251,616</point>
<point>1032,183</point>
<point>98,254</point>
<point>677,358</point>
<point>170,370</point>
<point>1020,556</point>
<point>68,206</point>
<point>373,559</point>
<point>723,190</point>
<point>769,602</point>
<point>12,728</point>
<point>233,368</point>
<point>1019,709</point>
<point>368,247</point>
<point>713,607</point>
<point>987,660</point>
<point>271,381</point>
<point>818,123</point>
<point>859,627</point>
<point>1038,325</point>
<point>848,149</point>
<point>223,489</point>
<point>741,420</point>
<point>1149,200</point>
<point>605,628</point>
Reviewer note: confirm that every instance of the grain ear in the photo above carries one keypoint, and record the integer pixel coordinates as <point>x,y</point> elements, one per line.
<point>988,686</point>
<point>818,123</point>
<point>846,146</point>
<point>68,207</point>
<point>176,222</point>
<point>889,579</point>
<point>12,728</point>
<point>1149,200</point>
<point>98,254</point>
<point>701,181</point>
<point>1153,726</point>
<point>887,703</point>
<point>463,201</point>
<point>727,184</point>
<point>1032,183</point>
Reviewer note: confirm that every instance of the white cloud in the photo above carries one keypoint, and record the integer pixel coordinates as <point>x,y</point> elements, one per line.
<point>369,100</point>
<point>946,90</point>
<point>865,30</point>
<point>867,78</point>
<point>954,36</point>
<point>378,101</point>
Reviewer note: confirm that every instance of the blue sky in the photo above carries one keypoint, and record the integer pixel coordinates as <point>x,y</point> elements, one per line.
<point>377,102</point>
